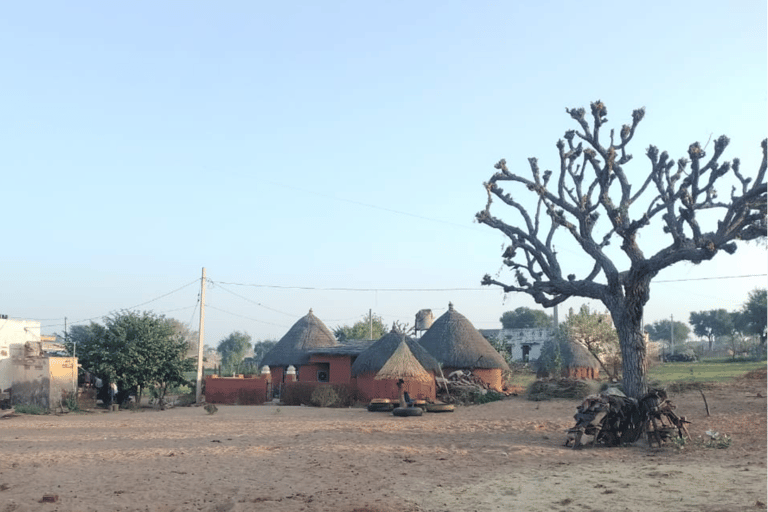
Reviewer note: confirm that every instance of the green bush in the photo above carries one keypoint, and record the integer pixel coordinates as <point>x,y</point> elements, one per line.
<point>561,388</point>
<point>30,409</point>
<point>301,393</point>
<point>324,396</point>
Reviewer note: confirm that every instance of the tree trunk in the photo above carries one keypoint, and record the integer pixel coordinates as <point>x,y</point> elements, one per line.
<point>633,353</point>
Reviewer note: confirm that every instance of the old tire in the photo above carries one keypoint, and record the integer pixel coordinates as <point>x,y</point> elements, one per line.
<point>407,411</point>
<point>380,407</point>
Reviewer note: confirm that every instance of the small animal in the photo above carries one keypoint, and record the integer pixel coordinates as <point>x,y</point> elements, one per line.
<point>211,409</point>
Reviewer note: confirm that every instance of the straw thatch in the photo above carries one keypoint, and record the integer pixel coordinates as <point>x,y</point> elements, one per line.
<point>402,364</point>
<point>455,342</point>
<point>376,356</point>
<point>293,348</point>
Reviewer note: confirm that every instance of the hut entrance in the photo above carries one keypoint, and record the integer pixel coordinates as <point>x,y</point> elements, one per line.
<point>323,372</point>
<point>526,352</point>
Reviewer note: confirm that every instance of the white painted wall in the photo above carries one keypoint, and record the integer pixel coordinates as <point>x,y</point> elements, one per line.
<point>13,332</point>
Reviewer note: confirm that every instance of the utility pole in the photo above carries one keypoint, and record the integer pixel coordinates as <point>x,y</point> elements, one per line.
<point>200,338</point>
<point>672,333</point>
<point>370,324</point>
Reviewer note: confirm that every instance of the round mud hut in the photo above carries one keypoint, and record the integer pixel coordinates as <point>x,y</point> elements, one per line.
<point>293,349</point>
<point>567,359</point>
<point>457,345</point>
<point>396,356</point>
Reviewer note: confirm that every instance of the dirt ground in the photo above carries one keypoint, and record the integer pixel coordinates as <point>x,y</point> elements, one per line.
<point>507,455</point>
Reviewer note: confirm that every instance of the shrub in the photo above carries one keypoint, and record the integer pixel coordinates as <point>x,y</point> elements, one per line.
<point>30,409</point>
<point>324,396</point>
<point>303,393</point>
<point>561,388</point>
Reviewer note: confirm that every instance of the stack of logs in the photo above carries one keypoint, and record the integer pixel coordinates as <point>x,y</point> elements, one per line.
<point>613,419</point>
<point>457,383</point>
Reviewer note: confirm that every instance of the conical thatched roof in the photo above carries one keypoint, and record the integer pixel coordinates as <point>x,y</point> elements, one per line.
<point>402,364</point>
<point>580,357</point>
<point>373,359</point>
<point>293,348</point>
<point>455,342</point>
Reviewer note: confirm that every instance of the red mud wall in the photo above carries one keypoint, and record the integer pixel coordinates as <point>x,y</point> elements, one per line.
<point>387,388</point>
<point>236,391</point>
<point>340,368</point>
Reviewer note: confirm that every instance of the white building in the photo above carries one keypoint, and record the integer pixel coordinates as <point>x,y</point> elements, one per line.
<point>523,344</point>
<point>13,332</point>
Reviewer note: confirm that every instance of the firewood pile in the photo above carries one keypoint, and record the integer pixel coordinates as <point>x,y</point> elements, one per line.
<point>459,383</point>
<point>613,419</point>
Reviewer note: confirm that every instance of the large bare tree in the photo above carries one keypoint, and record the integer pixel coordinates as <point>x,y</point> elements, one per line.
<point>592,200</point>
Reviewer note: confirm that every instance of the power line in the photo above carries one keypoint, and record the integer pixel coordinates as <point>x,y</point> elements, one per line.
<point>708,278</point>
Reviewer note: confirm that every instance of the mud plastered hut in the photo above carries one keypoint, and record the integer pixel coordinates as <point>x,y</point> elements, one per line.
<point>396,356</point>
<point>294,348</point>
<point>457,345</point>
<point>567,359</point>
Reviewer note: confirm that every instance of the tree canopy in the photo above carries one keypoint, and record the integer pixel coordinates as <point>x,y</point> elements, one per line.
<point>595,332</point>
<point>525,318</point>
<point>132,349</point>
<point>752,317</point>
<point>712,324</point>
<point>233,350</point>
<point>592,200</point>
<point>673,332</point>
<point>369,328</point>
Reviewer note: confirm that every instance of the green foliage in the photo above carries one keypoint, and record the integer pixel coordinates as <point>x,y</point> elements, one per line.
<point>70,402</point>
<point>369,328</point>
<point>260,349</point>
<point>29,409</point>
<point>133,349</point>
<point>712,324</point>
<point>233,349</point>
<point>525,318</point>
<point>502,348</point>
<point>487,397</point>
<point>324,396</point>
<point>752,317</point>
<point>660,331</point>
<point>595,332</point>
<point>710,370</point>
<point>301,393</point>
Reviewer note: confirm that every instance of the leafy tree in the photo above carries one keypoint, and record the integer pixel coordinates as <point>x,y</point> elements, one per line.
<point>666,330</point>
<point>751,319</point>
<point>590,200</point>
<point>133,350</point>
<point>595,332</point>
<point>369,328</point>
<point>260,349</point>
<point>712,324</point>
<point>525,318</point>
<point>187,335</point>
<point>233,349</point>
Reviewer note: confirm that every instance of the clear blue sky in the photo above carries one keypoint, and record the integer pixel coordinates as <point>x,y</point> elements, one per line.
<point>333,145</point>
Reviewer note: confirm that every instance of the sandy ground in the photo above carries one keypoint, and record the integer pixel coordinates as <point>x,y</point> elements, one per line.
<point>507,455</point>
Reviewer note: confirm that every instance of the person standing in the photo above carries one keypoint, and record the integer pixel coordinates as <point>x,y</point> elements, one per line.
<point>112,393</point>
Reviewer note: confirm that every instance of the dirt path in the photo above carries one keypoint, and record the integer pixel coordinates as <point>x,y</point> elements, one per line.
<point>500,456</point>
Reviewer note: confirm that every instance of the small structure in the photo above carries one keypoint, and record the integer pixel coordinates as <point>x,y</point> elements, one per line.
<point>294,348</point>
<point>573,360</point>
<point>524,345</point>
<point>395,356</point>
<point>457,345</point>
<point>28,375</point>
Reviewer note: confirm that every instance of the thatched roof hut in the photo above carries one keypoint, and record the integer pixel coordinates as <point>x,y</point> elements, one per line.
<point>373,359</point>
<point>455,342</point>
<point>395,356</point>
<point>402,364</point>
<point>293,348</point>
<point>571,359</point>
